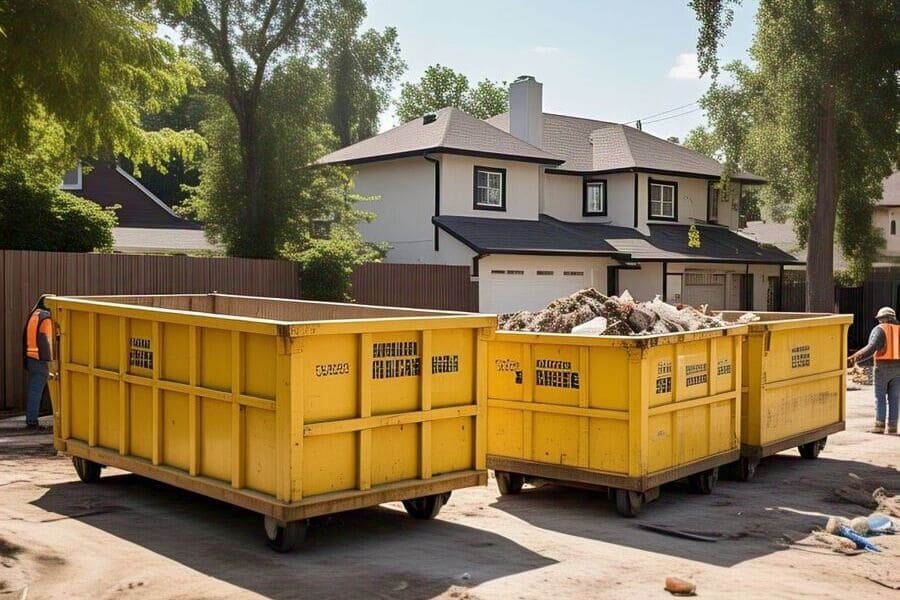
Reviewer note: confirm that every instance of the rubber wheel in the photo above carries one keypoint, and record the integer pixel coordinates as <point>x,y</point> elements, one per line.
<point>746,468</point>
<point>705,481</point>
<point>629,503</point>
<point>88,471</point>
<point>284,538</point>
<point>509,483</point>
<point>426,507</point>
<point>812,449</point>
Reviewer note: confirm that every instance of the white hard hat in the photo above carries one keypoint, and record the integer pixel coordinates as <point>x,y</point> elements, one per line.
<point>886,312</point>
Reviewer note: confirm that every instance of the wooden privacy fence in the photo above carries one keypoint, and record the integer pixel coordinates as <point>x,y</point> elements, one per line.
<point>442,287</point>
<point>26,275</point>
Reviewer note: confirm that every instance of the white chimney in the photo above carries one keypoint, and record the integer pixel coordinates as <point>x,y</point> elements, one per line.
<point>526,111</point>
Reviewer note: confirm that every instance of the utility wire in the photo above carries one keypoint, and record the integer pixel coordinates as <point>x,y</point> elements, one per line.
<point>687,112</point>
<point>665,112</point>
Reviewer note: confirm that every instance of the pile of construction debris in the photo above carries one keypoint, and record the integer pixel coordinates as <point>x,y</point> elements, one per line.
<point>589,312</point>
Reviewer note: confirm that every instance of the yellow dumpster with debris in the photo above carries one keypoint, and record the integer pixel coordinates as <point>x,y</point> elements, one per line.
<point>288,408</point>
<point>794,384</point>
<point>619,412</point>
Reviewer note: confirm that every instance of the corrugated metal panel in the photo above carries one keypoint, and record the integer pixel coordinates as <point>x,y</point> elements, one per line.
<point>26,275</point>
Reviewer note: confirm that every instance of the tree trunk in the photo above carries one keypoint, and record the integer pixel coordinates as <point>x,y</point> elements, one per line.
<point>820,246</point>
<point>255,239</point>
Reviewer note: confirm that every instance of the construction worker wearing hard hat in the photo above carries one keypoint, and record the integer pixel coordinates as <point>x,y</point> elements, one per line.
<point>884,345</point>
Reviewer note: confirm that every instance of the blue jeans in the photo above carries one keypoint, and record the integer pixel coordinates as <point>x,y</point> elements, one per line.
<point>887,393</point>
<point>38,371</point>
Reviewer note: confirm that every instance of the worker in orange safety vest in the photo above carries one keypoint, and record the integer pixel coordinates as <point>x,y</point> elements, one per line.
<point>38,354</point>
<point>884,345</point>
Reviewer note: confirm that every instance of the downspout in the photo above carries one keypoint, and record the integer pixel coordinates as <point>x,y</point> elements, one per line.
<point>437,194</point>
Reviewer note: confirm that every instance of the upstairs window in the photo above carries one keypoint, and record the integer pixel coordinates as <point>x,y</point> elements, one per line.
<point>490,188</point>
<point>893,227</point>
<point>320,228</point>
<point>712,214</point>
<point>594,199</point>
<point>71,179</point>
<point>663,200</point>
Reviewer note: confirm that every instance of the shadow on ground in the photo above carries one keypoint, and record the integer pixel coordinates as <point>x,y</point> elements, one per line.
<point>378,552</point>
<point>788,495</point>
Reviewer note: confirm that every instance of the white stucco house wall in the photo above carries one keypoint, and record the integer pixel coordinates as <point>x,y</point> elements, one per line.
<point>539,205</point>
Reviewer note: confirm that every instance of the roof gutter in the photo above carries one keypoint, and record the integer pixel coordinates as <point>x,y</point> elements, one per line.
<point>437,194</point>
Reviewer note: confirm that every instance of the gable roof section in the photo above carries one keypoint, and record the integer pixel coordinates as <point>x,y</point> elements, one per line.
<point>589,145</point>
<point>453,132</point>
<point>890,195</point>
<point>548,236</point>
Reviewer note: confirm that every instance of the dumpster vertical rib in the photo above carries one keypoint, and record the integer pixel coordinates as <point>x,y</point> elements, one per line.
<point>364,457</point>
<point>425,406</point>
<point>237,421</point>
<point>65,405</point>
<point>193,404</point>
<point>527,396</point>
<point>737,348</point>
<point>638,410</point>
<point>842,404</point>
<point>157,398</point>
<point>93,403</point>
<point>481,397</point>
<point>124,401</point>
<point>295,388</point>
<point>584,399</point>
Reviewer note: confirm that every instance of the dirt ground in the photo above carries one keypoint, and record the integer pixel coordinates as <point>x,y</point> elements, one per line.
<point>129,537</point>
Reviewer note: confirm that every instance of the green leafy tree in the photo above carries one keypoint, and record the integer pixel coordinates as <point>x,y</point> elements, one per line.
<point>327,268</point>
<point>441,86</point>
<point>269,99</point>
<point>704,141</point>
<point>362,68</point>
<point>88,72</point>
<point>816,115</point>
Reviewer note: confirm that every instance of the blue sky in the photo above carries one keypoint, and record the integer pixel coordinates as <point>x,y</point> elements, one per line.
<point>615,61</point>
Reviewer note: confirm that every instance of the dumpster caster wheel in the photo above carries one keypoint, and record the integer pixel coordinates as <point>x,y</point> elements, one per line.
<point>628,503</point>
<point>812,449</point>
<point>88,471</point>
<point>746,468</point>
<point>426,507</point>
<point>509,483</point>
<point>705,481</point>
<point>284,538</point>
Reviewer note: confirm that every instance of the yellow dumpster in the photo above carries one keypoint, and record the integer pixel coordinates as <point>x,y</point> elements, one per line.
<point>794,384</point>
<point>288,408</point>
<point>623,413</point>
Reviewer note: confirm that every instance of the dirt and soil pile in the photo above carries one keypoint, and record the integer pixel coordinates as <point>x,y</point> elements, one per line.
<point>589,312</point>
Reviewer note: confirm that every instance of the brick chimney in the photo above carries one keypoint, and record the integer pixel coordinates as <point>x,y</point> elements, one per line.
<point>526,112</point>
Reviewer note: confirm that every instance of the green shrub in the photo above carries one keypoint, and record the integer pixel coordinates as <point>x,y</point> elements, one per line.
<point>38,217</point>
<point>327,267</point>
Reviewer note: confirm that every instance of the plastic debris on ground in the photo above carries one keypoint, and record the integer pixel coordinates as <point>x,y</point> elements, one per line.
<point>588,312</point>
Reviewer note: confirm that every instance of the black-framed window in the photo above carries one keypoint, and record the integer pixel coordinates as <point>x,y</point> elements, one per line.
<point>489,188</point>
<point>893,227</point>
<point>712,203</point>
<point>662,200</point>
<point>593,198</point>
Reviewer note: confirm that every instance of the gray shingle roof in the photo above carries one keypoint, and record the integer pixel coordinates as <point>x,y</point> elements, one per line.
<point>552,236</point>
<point>453,131</point>
<point>591,145</point>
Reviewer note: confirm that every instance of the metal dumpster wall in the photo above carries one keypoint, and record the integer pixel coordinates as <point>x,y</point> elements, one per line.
<point>795,379</point>
<point>623,406</point>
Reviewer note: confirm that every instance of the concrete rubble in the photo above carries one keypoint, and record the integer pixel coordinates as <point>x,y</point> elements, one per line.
<point>588,312</point>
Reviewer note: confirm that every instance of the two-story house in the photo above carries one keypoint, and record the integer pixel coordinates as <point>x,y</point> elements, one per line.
<point>540,205</point>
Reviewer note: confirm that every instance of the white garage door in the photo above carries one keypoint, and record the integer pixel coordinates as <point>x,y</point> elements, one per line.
<point>510,290</point>
<point>704,288</point>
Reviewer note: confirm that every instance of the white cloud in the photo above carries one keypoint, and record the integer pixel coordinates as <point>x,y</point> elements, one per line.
<point>685,67</point>
<point>545,50</point>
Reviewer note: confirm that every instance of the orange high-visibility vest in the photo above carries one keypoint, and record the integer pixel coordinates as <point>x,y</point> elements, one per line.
<point>891,350</point>
<point>37,326</point>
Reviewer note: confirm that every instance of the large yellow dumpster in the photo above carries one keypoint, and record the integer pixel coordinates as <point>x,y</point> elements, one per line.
<point>624,413</point>
<point>794,384</point>
<point>291,409</point>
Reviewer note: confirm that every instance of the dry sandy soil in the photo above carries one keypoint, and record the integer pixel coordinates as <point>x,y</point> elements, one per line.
<point>129,537</point>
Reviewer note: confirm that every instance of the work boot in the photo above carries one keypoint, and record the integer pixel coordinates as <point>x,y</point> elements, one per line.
<point>879,427</point>
<point>892,429</point>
